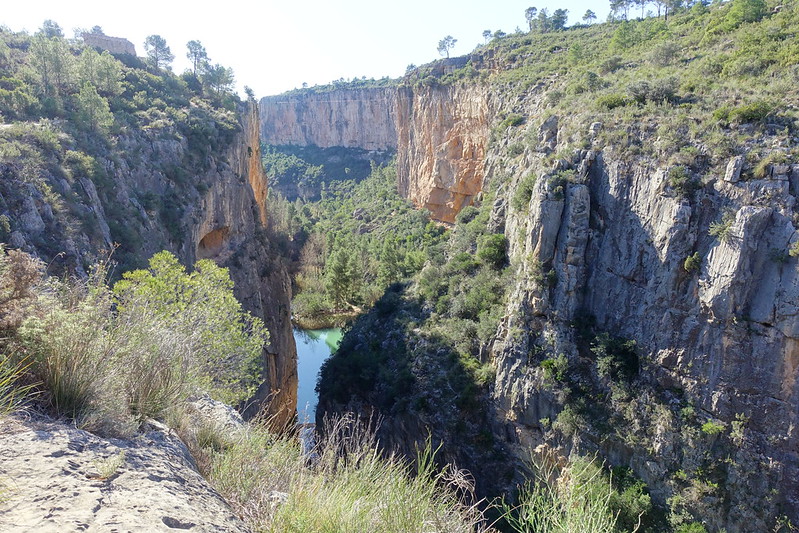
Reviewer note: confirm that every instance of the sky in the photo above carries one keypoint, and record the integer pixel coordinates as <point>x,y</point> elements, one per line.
<point>275,46</point>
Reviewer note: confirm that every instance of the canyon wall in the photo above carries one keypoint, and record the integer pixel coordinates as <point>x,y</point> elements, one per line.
<point>229,226</point>
<point>352,118</point>
<point>598,242</point>
<point>711,424</point>
<point>156,189</point>
<point>442,140</point>
<point>440,135</point>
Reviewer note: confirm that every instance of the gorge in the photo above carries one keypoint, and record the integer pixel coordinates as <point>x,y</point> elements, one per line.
<point>653,273</point>
<point>568,248</point>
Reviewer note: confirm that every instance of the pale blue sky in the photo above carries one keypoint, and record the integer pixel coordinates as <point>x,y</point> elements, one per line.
<point>276,46</point>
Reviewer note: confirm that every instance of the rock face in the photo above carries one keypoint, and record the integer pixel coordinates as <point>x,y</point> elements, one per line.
<point>231,230</point>
<point>440,135</point>
<point>352,118</point>
<point>717,344</point>
<point>159,194</point>
<point>443,135</point>
<point>58,478</point>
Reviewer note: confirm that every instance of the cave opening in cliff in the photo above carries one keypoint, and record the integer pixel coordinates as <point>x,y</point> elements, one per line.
<point>212,243</point>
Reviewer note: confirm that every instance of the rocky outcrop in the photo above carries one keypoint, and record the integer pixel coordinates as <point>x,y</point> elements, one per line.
<point>59,478</point>
<point>201,197</point>
<point>352,118</point>
<point>716,342</point>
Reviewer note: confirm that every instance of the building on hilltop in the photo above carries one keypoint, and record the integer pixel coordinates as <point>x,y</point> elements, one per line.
<point>115,45</point>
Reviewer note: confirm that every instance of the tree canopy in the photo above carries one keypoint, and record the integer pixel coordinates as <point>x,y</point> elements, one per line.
<point>446,44</point>
<point>158,53</point>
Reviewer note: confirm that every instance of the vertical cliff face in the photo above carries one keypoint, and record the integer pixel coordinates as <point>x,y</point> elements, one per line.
<point>442,138</point>
<point>352,118</point>
<point>231,230</point>
<point>715,396</point>
<point>440,135</point>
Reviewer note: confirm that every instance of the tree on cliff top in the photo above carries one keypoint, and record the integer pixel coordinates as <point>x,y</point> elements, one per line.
<point>197,55</point>
<point>446,44</point>
<point>530,15</point>
<point>158,53</point>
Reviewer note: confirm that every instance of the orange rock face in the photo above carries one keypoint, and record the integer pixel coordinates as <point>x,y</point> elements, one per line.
<point>440,135</point>
<point>442,138</point>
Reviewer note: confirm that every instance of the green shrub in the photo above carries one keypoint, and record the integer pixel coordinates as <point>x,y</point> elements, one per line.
<point>611,101</point>
<point>753,112</point>
<point>764,165</point>
<point>70,348</point>
<point>713,428</point>
<point>5,228</point>
<point>610,65</point>
<point>659,91</point>
<point>693,527</point>
<point>617,358</point>
<point>692,262</point>
<point>523,193</point>
<point>555,369</point>
<point>225,341</point>
<point>681,181</point>
<point>512,120</point>
<point>664,54</point>
<point>722,229</point>
<point>467,214</point>
<point>515,149</point>
<point>492,249</point>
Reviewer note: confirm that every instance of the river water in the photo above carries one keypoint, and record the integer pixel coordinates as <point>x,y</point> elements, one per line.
<point>313,348</point>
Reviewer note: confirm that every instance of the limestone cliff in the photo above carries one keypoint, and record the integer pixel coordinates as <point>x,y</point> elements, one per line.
<point>716,339</point>
<point>231,229</point>
<point>440,135</point>
<point>353,118</point>
<point>442,140</point>
<point>201,195</point>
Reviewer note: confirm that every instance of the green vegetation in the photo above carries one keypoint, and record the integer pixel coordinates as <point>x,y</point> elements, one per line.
<point>169,332</point>
<point>579,496</point>
<point>303,171</point>
<point>523,193</point>
<point>713,428</point>
<point>73,114</point>
<point>722,229</point>
<point>349,246</point>
<point>446,44</point>
<point>108,359</point>
<point>692,262</point>
<point>682,182</point>
<point>227,348</point>
<point>348,487</point>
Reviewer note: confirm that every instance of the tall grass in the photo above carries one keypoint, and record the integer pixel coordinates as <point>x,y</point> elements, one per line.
<point>68,342</point>
<point>565,499</point>
<point>12,393</point>
<point>343,485</point>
